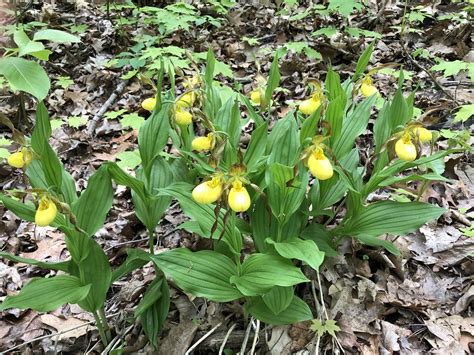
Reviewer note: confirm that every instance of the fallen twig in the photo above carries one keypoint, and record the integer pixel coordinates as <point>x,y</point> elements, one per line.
<point>93,123</point>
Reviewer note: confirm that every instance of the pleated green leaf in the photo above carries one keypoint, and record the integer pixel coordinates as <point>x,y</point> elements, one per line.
<point>45,295</point>
<point>297,311</point>
<point>392,217</point>
<point>204,273</point>
<point>261,272</point>
<point>304,250</point>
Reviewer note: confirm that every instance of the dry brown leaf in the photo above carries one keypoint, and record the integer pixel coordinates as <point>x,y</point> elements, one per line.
<point>67,327</point>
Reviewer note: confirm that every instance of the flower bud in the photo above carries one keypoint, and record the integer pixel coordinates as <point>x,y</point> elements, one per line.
<point>308,106</point>
<point>405,149</point>
<point>367,89</point>
<point>320,166</point>
<point>183,117</point>
<point>239,198</point>
<point>208,191</point>
<point>202,144</point>
<point>149,104</point>
<point>424,135</point>
<point>46,212</point>
<point>20,159</point>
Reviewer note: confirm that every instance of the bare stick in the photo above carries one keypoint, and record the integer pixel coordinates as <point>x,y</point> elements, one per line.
<point>93,123</point>
<point>255,338</point>
<point>202,339</point>
<point>246,338</point>
<point>229,332</point>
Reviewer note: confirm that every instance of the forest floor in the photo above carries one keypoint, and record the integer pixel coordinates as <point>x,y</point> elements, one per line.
<point>420,302</point>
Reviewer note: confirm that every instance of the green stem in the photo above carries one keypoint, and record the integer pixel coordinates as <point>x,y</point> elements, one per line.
<point>151,241</point>
<point>100,328</point>
<point>105,324</point>
<point>279,231</point>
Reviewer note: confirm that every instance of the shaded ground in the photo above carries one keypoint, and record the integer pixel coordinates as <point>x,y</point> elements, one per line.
<point>420,302</point>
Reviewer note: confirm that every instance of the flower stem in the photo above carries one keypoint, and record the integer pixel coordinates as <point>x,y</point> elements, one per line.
<point>100,328</point>
<point>105,324</point>
<point>151,241</point>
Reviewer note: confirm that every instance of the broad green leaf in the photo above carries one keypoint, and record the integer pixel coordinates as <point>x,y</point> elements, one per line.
<point>278,298</point>
<point>129,159</point>
<point>297,311</point>
<point>151,210</point>
<point>255,152</point>
<point>205,216</point>
<point>325,31</point>
<point>363,61</point>
<point>309,128</point>
<point>132,120</point>
<point>392,218</point>
<point>354,124</point>
<point>136,258</point>
<point>26,76</point>
<point>451,68</point>
<point>76,121</point>
<point>320,235</point>
<point>273,80</point>
<point>261,272</point>
<point>304,250</point>
<point>286,144</point>
<point>210,67</point>
<point>153,136</point>
<point>153,317</point>
<point>465,112</point>
<point>92,206</point>
<point>94,270</point>
<point>55,36</point>
<point>45,295</point>
<point>63,265</point>
<point>122,178</point>
<point>376,242</point>
<point>204,273</point>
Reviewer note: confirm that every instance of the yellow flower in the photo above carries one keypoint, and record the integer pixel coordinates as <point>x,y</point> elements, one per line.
<point>208,191</point>
<point>239,198</point>
<point>183,117</point>
<point>149,104</point>
<point>367,88</point>
<point>424,135</point>
<point>46,212</point>
<point>202,144</point>
<point>405,149</point>
<point>20,159</point>
<point>193,82</point>
<point>319,165</point>
<point>187,100</point>
<point>310,105</point>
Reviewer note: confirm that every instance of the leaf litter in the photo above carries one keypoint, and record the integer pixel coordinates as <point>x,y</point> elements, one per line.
<point>420,302</point>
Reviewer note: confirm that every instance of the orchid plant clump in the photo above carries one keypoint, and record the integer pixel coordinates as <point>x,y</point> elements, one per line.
<point>296,189</point>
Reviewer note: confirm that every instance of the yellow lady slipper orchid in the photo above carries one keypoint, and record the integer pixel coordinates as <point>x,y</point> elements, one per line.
<point>183,117</point>
<point>310,105</point>
<point>20,159</point>
<point>319,165</point>
<point>46,212</point>
<point>203,144</point>
<point>149,104</point>
<point>367,89</point>
<point>187,100</point>
<point>208,191</point>
<point>193,82</point>
<point>239,198</point>
<point>424,135</point>
<point>405,149</point>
